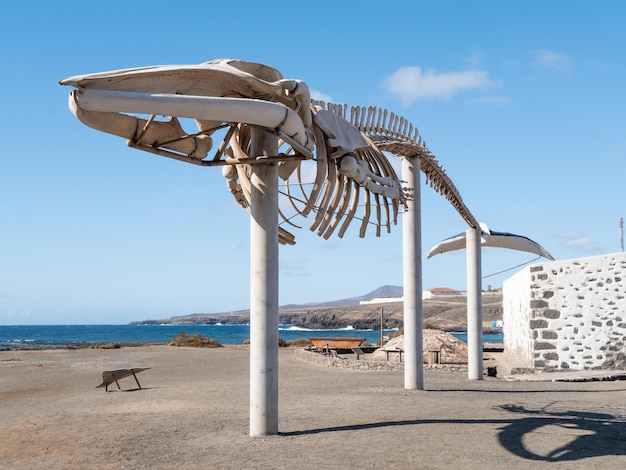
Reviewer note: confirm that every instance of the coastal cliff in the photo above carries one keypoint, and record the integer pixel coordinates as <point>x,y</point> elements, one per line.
<point>447,314</point>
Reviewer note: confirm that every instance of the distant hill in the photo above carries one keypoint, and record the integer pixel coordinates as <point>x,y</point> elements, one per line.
<point>243,316</point>
<point>383,291</point>
<point>446,313</point>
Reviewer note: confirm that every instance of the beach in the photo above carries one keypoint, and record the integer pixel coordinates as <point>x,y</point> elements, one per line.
<point>193,412</point>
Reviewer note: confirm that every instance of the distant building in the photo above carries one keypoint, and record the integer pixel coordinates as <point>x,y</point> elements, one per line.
<point>437,292</point>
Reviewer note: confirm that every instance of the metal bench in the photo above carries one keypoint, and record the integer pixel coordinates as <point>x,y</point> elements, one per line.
<point>398,351</point>
<point>110,376</point>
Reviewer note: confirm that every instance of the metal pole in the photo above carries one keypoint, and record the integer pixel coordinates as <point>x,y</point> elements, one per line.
<point>382,321</point>
<point>264,289</point>
<point>412,279</point>
<point>474,306</point>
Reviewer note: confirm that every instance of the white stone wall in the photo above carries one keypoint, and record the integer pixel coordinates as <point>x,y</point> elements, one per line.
<point>568,314</point>
<point>516,317</point>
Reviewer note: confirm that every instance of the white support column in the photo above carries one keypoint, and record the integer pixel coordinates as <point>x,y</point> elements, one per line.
<point>412,279</point>
<point>264,289</point>
<point>474,305</point>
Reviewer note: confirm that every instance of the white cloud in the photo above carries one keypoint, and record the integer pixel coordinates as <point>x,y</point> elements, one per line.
<point>410,84</point>
<point>475,58</point>
<point>318,95</point>
<point>12,314</point>
<point>576,242</point>
<point>545,59</point>
<point>295,267</point>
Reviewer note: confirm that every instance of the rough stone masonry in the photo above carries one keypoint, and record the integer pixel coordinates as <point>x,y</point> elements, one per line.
<point>568,315</point>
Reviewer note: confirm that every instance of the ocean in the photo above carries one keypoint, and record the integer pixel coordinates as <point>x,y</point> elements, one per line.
<point>61,336</point>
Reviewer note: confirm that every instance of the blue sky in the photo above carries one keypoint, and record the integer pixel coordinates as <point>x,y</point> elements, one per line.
<point>521,102</point>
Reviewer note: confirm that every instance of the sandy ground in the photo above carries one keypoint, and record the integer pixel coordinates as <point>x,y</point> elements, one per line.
<point>193,413</point>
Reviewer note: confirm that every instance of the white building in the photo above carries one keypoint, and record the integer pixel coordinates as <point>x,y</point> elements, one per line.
<point>568,314</point>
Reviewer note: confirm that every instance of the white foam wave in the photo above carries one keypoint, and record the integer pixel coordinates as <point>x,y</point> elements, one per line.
<point>299,328</point>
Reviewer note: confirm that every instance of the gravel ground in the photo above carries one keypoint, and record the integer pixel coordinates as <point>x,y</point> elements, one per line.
<point>193,412</point>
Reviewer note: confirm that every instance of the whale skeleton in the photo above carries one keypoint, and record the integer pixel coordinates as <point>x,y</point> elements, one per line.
<point>145,105</point>
<point>87,104</point>
<point>233,99</point>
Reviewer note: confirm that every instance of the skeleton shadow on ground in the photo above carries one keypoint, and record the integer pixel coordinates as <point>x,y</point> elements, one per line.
<point>587,434</point>
<point>515,392</point>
